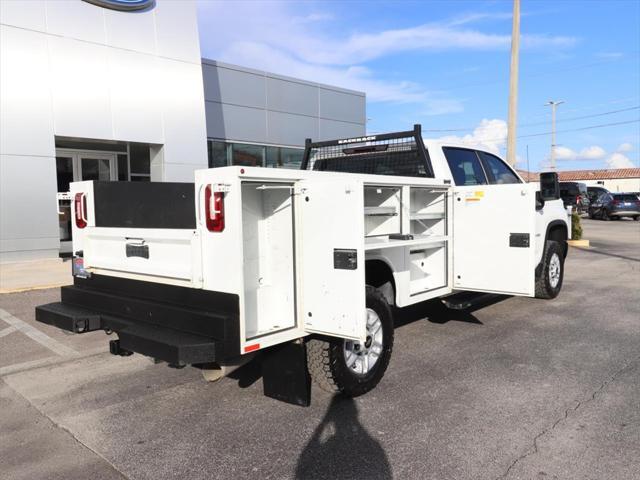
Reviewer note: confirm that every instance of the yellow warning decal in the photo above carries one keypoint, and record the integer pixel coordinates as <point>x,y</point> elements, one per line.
<point>479,193</point>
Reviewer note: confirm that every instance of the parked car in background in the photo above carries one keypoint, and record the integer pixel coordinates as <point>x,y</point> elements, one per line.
<point>615,205</point>
<point>594,192</point>
<point>575,195</point>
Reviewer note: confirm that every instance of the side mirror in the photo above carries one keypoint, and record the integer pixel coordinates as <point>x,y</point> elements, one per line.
<point>549,186</point>
<point>539,201</point>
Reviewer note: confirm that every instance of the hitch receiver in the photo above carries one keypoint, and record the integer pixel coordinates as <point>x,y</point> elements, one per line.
<point>116,349</point>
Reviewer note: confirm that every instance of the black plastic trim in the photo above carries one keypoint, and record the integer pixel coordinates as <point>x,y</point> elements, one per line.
<point>416,133</point>
<point>555,223</point>
<point>144,205</point>
<point>179,325</point>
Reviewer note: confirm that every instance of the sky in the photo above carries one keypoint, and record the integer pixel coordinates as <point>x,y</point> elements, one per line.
<point>445,65</point>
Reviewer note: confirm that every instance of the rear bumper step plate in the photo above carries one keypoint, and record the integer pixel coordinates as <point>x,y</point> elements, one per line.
<point>175,324</point>
<point>172,346</point>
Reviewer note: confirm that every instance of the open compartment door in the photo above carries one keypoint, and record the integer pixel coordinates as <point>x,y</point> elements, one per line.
<point>493,239</point>
<point>330,257</point>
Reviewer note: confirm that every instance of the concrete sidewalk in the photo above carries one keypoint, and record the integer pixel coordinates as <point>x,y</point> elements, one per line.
<point>36,274</point>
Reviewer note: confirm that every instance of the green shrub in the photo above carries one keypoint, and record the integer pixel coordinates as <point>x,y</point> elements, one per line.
<point>576,226</point>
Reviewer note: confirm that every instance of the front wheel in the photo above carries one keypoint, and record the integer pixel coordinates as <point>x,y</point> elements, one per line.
<point>349,366</point>
<point>551,271</point>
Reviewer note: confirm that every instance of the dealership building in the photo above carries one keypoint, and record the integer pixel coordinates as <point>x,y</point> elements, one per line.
<point>102,90</point>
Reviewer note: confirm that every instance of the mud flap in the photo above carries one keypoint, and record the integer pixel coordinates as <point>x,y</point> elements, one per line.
<point>284,374</point>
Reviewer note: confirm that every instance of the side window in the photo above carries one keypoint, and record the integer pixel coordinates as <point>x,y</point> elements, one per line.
<point>497,170</point>
<point>465,166</point>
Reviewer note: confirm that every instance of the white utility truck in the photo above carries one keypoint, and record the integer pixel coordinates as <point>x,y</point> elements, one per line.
<point>306,266</point>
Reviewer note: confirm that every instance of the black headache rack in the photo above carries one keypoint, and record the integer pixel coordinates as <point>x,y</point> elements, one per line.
<point>398,153</point>
<point>179,325</point>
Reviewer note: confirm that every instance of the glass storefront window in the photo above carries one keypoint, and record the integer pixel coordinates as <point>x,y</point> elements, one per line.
<point>140,178</point>
<point>280,157</point>
<point>123,167</point>
<point>64,167</point>
<point>222,154</point>
<point>217,154</point>
<point>98,169</point>
<point>291,157</point>
<point>139,158</point>
<point>273,157</point>
<point>247,155</point>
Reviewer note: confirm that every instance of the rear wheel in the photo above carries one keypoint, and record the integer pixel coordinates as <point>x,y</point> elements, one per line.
<point>605,215</point>
<point>352,367</point>
<point>551,272</point>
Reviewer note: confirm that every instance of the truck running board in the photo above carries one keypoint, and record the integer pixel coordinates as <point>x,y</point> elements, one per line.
<point>467,300</point>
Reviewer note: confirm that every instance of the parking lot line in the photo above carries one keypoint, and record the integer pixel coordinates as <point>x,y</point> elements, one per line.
<point>6,331</point>
<point>35,334</point>
<point>44,362</point>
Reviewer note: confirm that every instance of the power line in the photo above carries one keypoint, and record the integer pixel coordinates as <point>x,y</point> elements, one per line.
<point>552,71</point>
<point>540,123</point>
<point>626,122</point>
<point>541,134</point>
<point>591,107</point>
<point>583,116</point>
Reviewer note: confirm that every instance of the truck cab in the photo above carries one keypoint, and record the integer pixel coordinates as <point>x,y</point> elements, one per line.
<point>476,167</point>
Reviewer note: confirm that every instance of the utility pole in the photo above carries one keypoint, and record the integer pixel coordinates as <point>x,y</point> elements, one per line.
<point>554,105</point>
<point>513,85</point>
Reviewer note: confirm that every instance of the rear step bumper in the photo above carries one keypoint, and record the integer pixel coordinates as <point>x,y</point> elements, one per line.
<point>178,325</point>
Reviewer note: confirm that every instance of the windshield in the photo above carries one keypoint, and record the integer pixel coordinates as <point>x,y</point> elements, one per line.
<point>626,198</point>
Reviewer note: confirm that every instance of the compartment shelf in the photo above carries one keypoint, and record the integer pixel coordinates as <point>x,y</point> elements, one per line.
<point>380,211</point>
<point>427,216</point>
<point>382,206</point>
<point>424,241</point>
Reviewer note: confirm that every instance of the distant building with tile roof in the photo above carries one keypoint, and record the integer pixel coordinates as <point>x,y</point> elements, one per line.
<point>613,179</point>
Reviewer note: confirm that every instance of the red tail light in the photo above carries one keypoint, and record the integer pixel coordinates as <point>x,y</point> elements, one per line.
<point>214,209</point>
<point>80,206</point>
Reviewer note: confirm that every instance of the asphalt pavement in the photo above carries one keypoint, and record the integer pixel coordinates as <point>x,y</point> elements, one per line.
<point>519,389</point>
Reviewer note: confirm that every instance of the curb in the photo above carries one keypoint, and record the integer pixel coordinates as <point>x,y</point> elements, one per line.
<point>36,287</point>
<point>578,243</point>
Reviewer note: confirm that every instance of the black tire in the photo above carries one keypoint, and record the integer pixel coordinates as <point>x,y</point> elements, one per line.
<point>605,215</point>
<point>636,217</point>
<point>544,288</point>
<point>326,359</point>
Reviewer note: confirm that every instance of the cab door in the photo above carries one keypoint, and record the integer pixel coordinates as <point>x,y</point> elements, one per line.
<point>330,257</point>
<point>493,235</point>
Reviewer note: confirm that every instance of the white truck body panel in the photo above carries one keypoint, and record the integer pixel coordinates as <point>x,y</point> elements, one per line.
<point>331,299</point>
<point>484,218</point>
<point>173,254</point>
<point>277,251</point>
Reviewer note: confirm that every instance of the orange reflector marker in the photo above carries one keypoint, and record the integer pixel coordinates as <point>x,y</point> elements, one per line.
<point>251,348</point>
